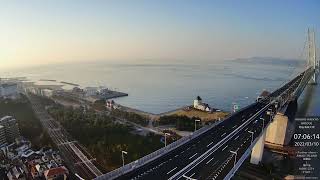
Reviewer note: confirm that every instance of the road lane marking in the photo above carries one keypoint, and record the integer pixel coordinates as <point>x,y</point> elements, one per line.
<point>236,138</point>
<point>223,134</point>
<point>234,126</point>
<point>172,170</point>
<point>215,163</point>
<point>224,148</point>
<point>209,144</point>
<point>219,144</point>
<point>209,161</point>
<point>193,156</point>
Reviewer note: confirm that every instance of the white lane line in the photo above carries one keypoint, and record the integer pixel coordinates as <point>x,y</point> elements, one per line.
<point>224,148</point>
<point>209,161</point>
<point>223,134</point>
<point>243,120</point>
<point>209,144</point>
<point>234,126</point>
<point>182,152</point>
<point>193,156</point>
<point>192,174</point>
<point>218,145</point>
<point>172,170</point>
<point>215,163</point>
<point>176,155</point>
<point>246,129</point>
<point>236,138</point>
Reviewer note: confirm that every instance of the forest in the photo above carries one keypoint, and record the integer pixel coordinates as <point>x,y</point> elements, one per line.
<point>103,137</point>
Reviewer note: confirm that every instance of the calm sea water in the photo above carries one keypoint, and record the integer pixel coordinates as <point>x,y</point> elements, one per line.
<point>160,87</point>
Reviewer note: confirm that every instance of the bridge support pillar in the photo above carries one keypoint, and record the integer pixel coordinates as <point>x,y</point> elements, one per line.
<point>257,151</point>
<point>280,130</point>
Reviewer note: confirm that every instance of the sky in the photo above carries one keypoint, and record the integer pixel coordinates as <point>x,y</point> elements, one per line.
<point>37,32</point>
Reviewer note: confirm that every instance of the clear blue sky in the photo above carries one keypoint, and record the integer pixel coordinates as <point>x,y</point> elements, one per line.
<point>39,32</point>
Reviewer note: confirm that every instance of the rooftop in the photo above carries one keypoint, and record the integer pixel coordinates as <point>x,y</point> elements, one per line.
<point>4,85</point>
<point>56,171</point>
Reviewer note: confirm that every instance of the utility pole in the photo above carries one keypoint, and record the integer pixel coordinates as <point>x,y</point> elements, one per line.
<point>251,136</point>
<point>195,124</point>
<point>122,155</point>
<point>165,138</point>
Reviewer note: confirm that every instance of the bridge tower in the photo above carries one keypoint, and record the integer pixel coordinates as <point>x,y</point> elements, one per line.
<point>311,56</point>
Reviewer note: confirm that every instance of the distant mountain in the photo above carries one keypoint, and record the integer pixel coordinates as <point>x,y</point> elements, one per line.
<point>270,60</point>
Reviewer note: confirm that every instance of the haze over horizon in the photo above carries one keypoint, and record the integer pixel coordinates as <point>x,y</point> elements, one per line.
<point>45,32</point>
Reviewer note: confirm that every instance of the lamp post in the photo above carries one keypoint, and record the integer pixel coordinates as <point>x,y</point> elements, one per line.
<point>251,136</point>
<point>122,155</point>
<point>262,123</point>
<point>195,124</point>
<point>79,176</point>
<point>235,157</point>
<point>165,138</point>
<point>189,178</point>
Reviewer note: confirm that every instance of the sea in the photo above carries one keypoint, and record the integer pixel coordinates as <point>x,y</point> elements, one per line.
<point>161,86</point>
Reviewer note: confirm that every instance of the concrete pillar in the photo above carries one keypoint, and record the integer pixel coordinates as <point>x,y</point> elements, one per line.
<point>280,130</point>
<point>257,151</point>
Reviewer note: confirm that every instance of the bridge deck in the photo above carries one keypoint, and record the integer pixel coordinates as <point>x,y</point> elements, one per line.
<point>208,155</point>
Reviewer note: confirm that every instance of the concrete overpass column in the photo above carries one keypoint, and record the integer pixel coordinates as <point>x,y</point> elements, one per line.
<point>280,130</point>
<point>257,151</point>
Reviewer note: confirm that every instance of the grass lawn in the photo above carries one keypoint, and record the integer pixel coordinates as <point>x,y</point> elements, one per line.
<point>205,116</point>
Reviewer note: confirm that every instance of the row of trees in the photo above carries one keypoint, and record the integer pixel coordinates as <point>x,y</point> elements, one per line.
<point>104,138</point>
<point>130,116</point>
<point>29,124</point>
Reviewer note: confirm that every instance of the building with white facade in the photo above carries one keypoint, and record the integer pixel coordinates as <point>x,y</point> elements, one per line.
<point>8,90</point>
<point>91,91</point>
<point>11,128</point>
<point>198,104</point>
<point>47,92</point>
<point>2,135</point>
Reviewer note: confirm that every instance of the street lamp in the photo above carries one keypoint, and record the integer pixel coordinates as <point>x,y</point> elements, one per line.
<point>195,124</point>
<point>79,176</point>
<point>262,123</point>
<point>270,113</point>
<point>189,178</point>
<point>235,157</point>
<point>251,136</point>
<point>122,155</point>
<point>165,138</point>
